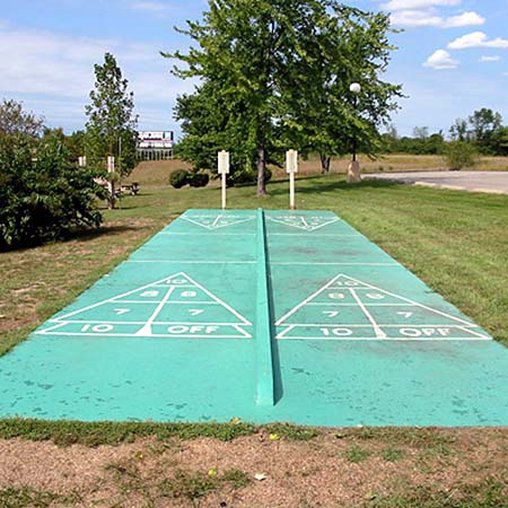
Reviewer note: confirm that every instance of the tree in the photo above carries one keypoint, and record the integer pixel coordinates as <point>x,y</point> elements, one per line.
<point>259,58</point>
<point>111,126</point>
<point>484,123</point>
<point>15,121</point>
<point>459,130</point>
<point>339,45</point>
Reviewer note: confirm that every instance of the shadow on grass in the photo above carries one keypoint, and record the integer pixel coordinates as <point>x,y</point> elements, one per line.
<point>81,235</point>
<point>312,185</point>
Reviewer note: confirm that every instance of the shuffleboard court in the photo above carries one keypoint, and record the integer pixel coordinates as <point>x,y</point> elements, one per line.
<point>265,316</point>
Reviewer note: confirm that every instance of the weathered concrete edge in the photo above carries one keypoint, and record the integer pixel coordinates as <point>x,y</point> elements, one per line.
<point>265,389</point>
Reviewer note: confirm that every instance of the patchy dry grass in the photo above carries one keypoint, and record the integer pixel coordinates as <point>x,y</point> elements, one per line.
<point>334,468</point>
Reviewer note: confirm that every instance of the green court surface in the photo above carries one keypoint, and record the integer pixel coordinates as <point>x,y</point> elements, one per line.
<point>265,316</point>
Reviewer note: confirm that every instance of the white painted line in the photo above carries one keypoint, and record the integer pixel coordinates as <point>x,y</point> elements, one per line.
<point>171,233</point>
<point>229,221</point>
<point>379,333</point>
<point>304,224</point>
<point>302,304</point>
<point>185,262</point>
<point>310,263</point>
<point>51,328</point>
<point>387,339</point>
<point>366,304</point>
<point>221,302</point>
<point>435,311</point>
<point>366,325</point>
<point>318,235</point>
<point>147,328</point>
<point>472,332</point>
<point>134,336</point>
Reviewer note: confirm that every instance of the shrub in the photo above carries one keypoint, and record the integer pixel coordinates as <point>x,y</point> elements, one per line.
<point>179,178</point>
<point>199,179</point>
<point>43,197</point>
<point>459,155</point>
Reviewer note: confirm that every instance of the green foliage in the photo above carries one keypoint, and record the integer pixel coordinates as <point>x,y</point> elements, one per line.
<point>179,178</point>
<point>43,196</point>
<point>434,144</point>
<point>460,155</point>
<point>14,121</point>
<point>484,128</point>
<point>199,179</point>
<point>111,126</point>
<point>277,73</point>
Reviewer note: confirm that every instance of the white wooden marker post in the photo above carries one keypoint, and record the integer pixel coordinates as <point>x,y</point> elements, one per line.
<point>223,171</point>
<point>292,169</point>
<point>111,170</point>
<point>82,161</point>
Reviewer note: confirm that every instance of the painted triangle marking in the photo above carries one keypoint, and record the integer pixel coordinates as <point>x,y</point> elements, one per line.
<point>350,309</point>
<point>216,221</point>
<point>175,306</point>
<point>304,222</point>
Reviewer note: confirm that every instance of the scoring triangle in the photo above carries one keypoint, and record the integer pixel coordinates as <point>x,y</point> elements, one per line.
<point>304,222</point>
<point>354,309</point>
<point>216,221</point>
<point>176,306</point>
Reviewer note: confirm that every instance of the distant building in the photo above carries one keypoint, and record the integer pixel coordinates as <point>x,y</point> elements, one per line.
<point>155,145</point>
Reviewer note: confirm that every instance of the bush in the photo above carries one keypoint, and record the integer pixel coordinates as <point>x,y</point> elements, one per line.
<point>43,197</point>
<point>179,178</point>
<point>459,155</point>
<point>199,179</point>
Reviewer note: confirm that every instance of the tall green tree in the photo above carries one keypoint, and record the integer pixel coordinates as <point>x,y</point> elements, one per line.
<point>281,68</point>
<point>340,45</point>
<point>111,126</point>
<point>484,123</point>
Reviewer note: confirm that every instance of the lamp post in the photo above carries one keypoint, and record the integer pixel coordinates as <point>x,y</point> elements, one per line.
<point>353,173</point>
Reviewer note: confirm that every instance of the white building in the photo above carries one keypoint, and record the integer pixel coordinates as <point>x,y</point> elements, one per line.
<point>155,145</point>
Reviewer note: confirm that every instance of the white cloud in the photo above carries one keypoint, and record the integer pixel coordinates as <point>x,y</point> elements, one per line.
<point>468,18</point>
<point>48,68</point>
<point>440,60</point>
<point>159,8</point>
<point>431,18</point>
<point>478,40</point>
<point>490,59</point>
<point>399,5</point>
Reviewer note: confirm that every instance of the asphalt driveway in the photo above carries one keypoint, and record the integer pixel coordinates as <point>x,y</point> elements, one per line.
<point>495,182</point>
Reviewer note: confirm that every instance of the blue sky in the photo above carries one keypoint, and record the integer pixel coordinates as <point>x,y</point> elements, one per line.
<point>453,56</point>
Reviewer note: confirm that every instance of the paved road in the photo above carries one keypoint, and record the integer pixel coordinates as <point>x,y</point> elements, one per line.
<point>495,182</point>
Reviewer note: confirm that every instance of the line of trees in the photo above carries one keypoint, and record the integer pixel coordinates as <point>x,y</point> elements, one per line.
<point>482,131</point>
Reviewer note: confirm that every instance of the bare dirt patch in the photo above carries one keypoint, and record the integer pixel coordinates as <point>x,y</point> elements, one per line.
<point>336,468</point>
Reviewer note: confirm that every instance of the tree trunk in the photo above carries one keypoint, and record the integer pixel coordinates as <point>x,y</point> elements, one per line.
<point>325,163</point>
<point>261,163</point>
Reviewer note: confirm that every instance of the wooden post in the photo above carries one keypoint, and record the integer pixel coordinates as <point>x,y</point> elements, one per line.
<point>223,168</point>
<point>292,169</point>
